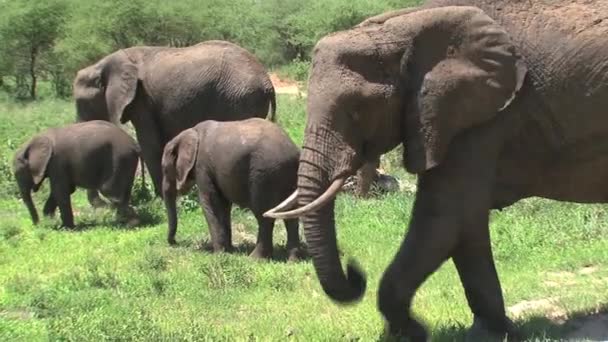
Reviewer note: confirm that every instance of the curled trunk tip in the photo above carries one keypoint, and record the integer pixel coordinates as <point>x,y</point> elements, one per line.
<point>357,283</point>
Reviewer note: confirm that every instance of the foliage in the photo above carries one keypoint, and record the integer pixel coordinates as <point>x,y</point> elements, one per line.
<point>70,34</point>
<point>29,31</point>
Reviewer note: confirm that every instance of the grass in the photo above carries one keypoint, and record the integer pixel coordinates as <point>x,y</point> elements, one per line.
<point>105,282</point>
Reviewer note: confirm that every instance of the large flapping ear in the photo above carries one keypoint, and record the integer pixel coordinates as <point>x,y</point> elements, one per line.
<point>178,160</point>
<point>122,79</point>
<point>37,155</point>
<point>461,70</point>
<point>186,156</point>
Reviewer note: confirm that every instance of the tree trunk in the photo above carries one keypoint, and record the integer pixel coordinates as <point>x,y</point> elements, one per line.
<point>33,57</point>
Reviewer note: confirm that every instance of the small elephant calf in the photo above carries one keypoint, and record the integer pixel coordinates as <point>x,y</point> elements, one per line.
<point>251,163</point>
<point>93,155</point>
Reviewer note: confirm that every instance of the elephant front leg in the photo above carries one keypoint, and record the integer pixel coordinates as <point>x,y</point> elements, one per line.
<point>217,214</point>
<point>50,206</point>
<point>429,242</point>
<point>450,218</point>
<point>61,192</point>
<point>475,265</point>
<point>151,144</point>
<point>263,246</point>
<point>293,240</point>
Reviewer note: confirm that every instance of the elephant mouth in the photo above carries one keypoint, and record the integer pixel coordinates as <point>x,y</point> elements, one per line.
<point>329,194</point>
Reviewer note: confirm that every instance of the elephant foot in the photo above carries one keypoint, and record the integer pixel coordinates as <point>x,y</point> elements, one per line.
<point>128,217</point>
<point>261,253</point>
<point>68,225</point>
<point>482,330</point>
<point>171,241</point>
<point>408,330</point>
<point>295,254</point>
<point>222,249</point>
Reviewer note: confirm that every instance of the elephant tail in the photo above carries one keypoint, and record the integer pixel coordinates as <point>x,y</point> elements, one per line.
<point>143,172</point>
<point>273,105</point>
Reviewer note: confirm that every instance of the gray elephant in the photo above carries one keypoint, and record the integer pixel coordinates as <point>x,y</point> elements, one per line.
<point>251,163</point>
<point>163,91</point>
<point>92,155</point>
<point>493,101</point>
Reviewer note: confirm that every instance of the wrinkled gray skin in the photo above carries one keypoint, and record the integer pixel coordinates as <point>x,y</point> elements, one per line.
<point>492,104</point>
<point>250,163</point>
<point>94,155</point>
<point>163,91</point>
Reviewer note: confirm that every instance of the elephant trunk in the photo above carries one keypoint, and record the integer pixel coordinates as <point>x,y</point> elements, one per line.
<point>170,198</point>
<point>26,195</point>
<point>320,231</point>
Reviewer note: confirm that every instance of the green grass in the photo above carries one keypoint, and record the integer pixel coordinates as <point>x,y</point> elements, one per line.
<point>104,282</point>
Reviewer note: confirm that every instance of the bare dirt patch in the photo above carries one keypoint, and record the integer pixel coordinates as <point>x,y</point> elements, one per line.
<point>285,86</point>
<point>547,306</point>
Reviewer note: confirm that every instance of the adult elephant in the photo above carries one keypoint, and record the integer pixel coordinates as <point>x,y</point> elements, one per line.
<point>494,101</point>
<point>164,91</point>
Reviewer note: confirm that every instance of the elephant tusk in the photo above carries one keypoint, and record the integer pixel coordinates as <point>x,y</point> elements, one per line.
<point>286,204</point>
<point>328,195</point>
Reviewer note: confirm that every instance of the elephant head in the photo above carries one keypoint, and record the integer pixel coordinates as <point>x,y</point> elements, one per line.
<point>102,91</point>
<point>29,166</point>
<point>178,160</point>
<point>419,79</point>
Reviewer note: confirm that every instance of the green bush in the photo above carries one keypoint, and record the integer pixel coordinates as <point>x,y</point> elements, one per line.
<point>50,40</point>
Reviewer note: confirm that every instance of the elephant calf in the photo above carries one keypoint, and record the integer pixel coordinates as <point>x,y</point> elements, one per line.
<point>93,155</point>
<point>251,163</point>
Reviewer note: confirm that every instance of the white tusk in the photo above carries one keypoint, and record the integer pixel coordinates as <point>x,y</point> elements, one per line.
<point>286,204</point>
<point>328,195</point>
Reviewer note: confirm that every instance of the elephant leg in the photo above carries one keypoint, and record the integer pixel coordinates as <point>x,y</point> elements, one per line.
<point>366,176</point>
<point>293,239</point>
<point>475,265</point>
<point>95,200</point>
<point>61,192</point>
<point>50,206</point>
<point>452,199</point>
<point>217,214</point>
<point>263,246</point>
<point>151,145</point>
<point>118,190</point>
<point>427,245</point>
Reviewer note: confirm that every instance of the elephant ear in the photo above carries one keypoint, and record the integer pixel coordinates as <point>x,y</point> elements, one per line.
<point>461,70</point>
<point>178,159</point>
<point>38,155</point>
<point>186,156</point>
<point>121,87</point>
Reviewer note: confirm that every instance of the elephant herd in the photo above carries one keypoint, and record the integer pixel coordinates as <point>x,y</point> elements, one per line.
<point>493,102</point>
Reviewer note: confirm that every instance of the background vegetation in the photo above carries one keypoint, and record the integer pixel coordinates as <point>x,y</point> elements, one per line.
<point>104,282</point>
<point>52,39</point>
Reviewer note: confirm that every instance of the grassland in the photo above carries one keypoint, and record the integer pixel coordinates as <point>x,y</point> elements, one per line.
<point>104,282</point>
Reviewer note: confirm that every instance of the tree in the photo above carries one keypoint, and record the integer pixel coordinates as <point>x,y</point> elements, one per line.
<point>29,32</point>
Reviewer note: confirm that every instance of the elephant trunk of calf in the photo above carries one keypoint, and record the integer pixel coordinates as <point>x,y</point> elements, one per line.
<point>170,199</point>
<point>26,195</point>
